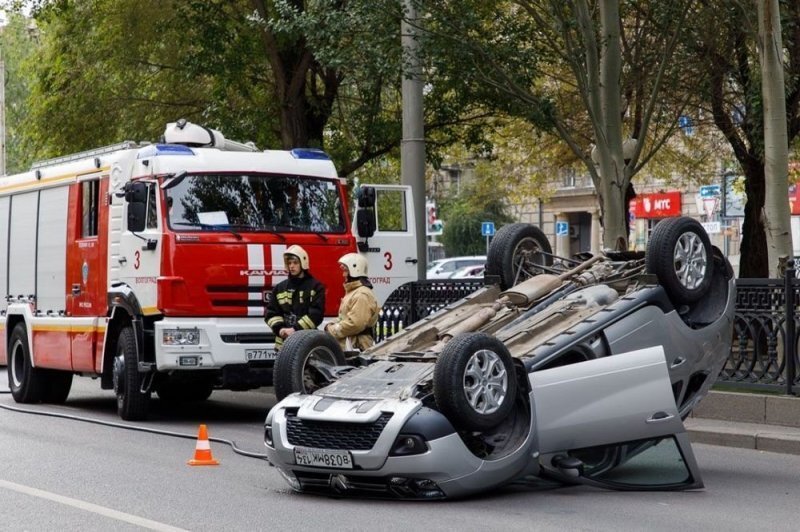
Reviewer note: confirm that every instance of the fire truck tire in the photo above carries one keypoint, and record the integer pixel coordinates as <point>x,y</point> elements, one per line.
<point>132,403</point>
<point>516,252</point>
<point>59,383</point>
<point>303,362</point>
<point>27,383</point>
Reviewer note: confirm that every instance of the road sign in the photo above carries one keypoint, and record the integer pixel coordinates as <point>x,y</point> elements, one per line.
<point>710,191</point>
<point>487,228</point>
<point>562,228</point>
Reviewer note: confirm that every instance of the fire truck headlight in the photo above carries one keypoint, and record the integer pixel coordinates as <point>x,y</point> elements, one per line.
<point>181,337</point>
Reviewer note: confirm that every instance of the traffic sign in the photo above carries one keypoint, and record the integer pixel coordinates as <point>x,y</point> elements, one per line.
<point>487,228</point>
<point>562,228</point>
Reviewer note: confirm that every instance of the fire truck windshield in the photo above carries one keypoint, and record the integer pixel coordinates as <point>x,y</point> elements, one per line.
<point>254,202</point>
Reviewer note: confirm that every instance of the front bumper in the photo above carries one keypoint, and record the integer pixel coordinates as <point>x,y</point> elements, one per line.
<point>446,469</point>
<point>223,342</point>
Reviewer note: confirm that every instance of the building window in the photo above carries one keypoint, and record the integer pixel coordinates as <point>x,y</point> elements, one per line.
<point>90,192</point>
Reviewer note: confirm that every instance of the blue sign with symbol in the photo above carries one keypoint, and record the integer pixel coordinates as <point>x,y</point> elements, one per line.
<point>710,191</point>
<point>562,228</point>
<point>487,228</point>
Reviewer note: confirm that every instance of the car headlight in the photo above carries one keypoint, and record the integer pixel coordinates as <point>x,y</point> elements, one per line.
<point>407,444</point>
<point>180,336</point>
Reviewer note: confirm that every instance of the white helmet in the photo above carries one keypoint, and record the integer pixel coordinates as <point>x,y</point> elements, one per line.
<point>298,252</point>
<point>355,263</point>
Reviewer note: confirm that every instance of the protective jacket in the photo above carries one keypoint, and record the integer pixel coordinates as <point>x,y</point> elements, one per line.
<point>358,314</point>
<point>297,302</point>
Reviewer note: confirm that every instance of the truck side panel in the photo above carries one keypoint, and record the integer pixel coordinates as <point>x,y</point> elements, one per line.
<point>22,244</point>
<point>5,210</point>
<point>52,251</point>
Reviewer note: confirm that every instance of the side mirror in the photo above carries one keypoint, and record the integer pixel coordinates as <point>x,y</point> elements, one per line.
<point>136,196</point>
<point>366,197</point>
<point>365,222</point>
<point>136,192</point>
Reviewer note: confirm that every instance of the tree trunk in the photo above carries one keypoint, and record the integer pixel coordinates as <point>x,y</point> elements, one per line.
<point>753,262</point>
<point>776,213</point>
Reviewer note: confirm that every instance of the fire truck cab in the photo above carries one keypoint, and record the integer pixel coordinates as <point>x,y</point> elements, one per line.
<point>149,265</point>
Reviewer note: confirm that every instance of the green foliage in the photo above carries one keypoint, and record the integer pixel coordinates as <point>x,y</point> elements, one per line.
<point>17,43</point>
<point>462,228</point>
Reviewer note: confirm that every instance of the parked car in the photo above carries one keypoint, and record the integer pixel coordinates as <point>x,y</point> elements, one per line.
<point>469,272</point>
<point>573,370</point>
<point>444,268</point>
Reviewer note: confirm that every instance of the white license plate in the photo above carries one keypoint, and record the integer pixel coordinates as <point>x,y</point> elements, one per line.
<point>307,456</point>
<point>261,354</point>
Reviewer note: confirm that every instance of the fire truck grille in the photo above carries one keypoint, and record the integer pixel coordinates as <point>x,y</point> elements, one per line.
<point>248,338</point>
<point>237,296</point>
<point>334,435</point>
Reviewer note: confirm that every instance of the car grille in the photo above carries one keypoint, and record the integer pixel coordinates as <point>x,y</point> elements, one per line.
<point>334,435</point>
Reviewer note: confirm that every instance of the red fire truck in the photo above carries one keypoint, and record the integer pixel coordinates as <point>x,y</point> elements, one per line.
<point>148,265</point>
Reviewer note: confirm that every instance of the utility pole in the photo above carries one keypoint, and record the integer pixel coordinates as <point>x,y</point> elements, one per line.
<point>412,147</point>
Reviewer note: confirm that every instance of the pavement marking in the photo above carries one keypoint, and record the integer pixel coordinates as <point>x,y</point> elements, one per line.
<point>89,507</point>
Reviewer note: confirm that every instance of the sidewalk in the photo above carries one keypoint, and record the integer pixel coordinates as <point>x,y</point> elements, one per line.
<point>751,421</point>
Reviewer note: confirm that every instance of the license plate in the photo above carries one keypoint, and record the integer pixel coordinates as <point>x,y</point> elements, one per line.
<point>261,354</point>
<point>310,457</point>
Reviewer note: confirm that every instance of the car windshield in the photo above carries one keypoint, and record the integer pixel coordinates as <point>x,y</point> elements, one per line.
<point>254,202</point>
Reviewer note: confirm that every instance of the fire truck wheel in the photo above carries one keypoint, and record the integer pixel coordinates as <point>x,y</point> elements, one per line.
<point>305,362</point>
<point>27,383</point>
<point>132,403</point>
<point>58,386</point>
<point>516,253</point>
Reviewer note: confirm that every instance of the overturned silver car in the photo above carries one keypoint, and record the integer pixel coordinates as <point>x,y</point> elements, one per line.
<point>578,371</point>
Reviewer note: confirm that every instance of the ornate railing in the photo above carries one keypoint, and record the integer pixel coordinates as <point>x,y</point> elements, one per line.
<point>764,351</point>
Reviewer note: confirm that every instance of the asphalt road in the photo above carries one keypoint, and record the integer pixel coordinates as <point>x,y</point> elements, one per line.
<point>65,474</point>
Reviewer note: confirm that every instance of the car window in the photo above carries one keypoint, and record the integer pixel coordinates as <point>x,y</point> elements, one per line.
<point>645,463</point>
<point>449,266</point>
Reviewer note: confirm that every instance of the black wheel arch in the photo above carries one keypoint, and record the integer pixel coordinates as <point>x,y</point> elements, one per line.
<point>124,309</point>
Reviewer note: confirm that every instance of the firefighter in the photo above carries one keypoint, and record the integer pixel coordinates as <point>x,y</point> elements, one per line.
<point>298,302</point>
<point>358,312</point>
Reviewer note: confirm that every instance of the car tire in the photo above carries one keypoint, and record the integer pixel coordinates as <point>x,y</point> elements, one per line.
<point>474,381</point>
<point>59,384</point>
<point>26,382</point>
<point>132,402</point>
<point>516,252</point>
<point>297,362</point>
<point>679,254</point>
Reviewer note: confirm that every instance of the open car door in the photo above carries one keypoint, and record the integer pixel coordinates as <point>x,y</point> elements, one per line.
<point>612,422</point>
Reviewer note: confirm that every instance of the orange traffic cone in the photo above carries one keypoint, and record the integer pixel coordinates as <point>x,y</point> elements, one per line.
<point>202,451</point>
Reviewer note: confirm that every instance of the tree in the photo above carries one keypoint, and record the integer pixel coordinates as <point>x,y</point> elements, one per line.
<point>282,73</point>
<point>462,229</point>
<point>776,147</point>
<point>726,78</point>
<point>536,59</point>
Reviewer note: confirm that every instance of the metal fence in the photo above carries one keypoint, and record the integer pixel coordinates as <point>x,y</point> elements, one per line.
<point>764,352</point>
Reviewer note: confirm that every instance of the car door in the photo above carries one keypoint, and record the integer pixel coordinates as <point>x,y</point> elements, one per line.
<point>392,251</point>
<point>613,422</point>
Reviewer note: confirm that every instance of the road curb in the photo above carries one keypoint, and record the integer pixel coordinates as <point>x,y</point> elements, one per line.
<point>770,438</point>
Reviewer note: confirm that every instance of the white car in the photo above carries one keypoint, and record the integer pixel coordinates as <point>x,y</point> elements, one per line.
<point>470,272</point>
<point>444,268</point>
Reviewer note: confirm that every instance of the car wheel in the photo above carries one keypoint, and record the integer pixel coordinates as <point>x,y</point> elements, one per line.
<point>132,402</point>
<point>517,252</point>
<point>474,382</point>
<point>304,362</point>
<point>27,383</point>
<point>679,254</point>
<point>59,383</point>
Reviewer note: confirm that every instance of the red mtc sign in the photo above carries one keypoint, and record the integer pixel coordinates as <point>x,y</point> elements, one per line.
<point>661,205</point>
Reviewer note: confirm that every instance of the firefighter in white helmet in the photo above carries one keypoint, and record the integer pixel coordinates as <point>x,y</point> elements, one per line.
<point>358,312</point>
<point>298,302</point>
